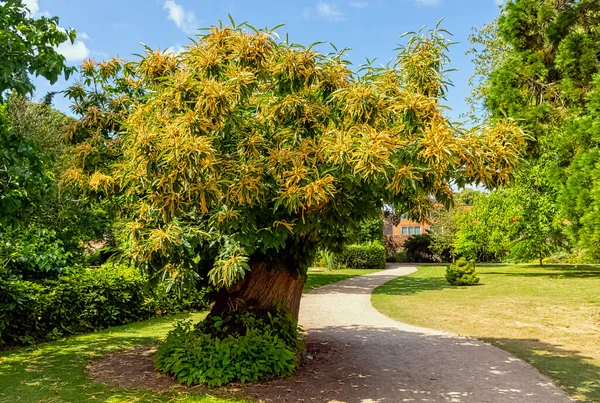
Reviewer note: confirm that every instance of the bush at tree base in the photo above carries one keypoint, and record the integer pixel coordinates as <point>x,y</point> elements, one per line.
<point>246,346</point>
<point>83,301</point>
<point>462,272</point>
<point>370,255</point>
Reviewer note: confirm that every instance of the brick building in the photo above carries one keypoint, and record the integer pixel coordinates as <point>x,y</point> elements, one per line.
<point>406,227</point>
<point>403,229</point>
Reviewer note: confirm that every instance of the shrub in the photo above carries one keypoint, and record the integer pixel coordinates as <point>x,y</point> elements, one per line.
<point>462,272</point>
<point>82,301</point>
<point>245,346</point>
<point>392,244</point>
<point>418,249</point>
<point>399,257</point>
<point>33,253</point>
<point>324,258</point>
<point>369,255</point>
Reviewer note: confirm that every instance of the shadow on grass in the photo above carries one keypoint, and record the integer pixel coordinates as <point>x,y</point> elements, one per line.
<point>553,272</point>
<point>571,370</point>
<point>412,285</point>
<point>57,370</point>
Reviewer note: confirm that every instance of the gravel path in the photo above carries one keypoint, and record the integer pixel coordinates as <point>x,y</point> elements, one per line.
<point>376,359</point>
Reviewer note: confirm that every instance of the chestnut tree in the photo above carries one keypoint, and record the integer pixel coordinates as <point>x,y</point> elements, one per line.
<point>234,159</point>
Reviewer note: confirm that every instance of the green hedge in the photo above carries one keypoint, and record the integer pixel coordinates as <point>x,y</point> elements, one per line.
<point>370,255</point>
<point>82,302</point>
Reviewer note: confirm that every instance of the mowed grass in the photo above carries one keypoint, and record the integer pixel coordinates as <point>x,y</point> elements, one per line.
<point>318,277</point>
<point>547,316</point>
<point>56,371</point>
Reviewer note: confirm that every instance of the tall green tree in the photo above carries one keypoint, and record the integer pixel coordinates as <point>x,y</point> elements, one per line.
<point>445,224</point>
<point>36,235</point>
<point>487,231</point>
<point>27,47</point>
<point>50,233</point>
<point>545,64</point>
<point>247,152</point>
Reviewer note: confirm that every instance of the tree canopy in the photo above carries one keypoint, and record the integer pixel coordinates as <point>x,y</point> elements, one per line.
<point>546,77</point>
<point>28,47</point>
<point>245,150</point>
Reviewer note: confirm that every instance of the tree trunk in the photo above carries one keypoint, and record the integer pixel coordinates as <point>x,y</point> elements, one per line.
<point>262,288</point>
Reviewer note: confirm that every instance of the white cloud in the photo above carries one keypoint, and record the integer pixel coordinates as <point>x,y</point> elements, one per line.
<point>185,20</point>
<point>359,4</point>
<point>83,36</point>
<point>429,2</point>
<point>176,49</point>
<point>74,52</point>
<point>329,11</point>
<point>32,5</point>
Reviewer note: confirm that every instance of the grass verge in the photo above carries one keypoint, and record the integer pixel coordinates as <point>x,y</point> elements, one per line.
<point>318,277</point>
<point>548,316</point>
<point>56,371</point>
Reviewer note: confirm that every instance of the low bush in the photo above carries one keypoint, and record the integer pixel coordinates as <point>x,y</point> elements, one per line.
<point>399,257</point>
<point>392,245</point>
<point>462,273</point>
<point>324,258</point>
<point>82,301</point>
<point>418,249</point>
<point>246,346</point>
<point>370,255</point>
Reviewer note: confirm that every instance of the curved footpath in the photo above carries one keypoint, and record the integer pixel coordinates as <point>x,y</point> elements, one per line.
<point>376,359</point>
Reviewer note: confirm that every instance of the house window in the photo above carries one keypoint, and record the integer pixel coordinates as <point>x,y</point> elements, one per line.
<point>411,230</point>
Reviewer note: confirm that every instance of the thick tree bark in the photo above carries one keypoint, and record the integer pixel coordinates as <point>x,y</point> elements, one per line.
<point>262,288</point>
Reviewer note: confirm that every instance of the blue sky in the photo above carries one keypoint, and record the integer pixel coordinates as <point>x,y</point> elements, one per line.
<point>371,28</point>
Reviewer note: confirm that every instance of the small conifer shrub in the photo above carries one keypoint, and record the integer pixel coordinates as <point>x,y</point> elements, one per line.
<point>462,272</point>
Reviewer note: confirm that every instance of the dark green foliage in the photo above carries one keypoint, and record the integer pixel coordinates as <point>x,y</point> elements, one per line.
<point>417,248</point>
<point>42,228</point>
<point>28,46</point>
<point>462,272</point>
<point>368,230</point>
<point>246,346</point>
<point>398,257</point>
<point>82,301</point>
<point>23,177</point>
<point>33,253</point>
<point>547,78</point>
<point>370,255</point>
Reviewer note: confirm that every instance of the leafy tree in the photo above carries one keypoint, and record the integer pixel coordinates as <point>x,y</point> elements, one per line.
<point>235,158</point>
<point>445,226</point>
<point>538,226</point>
<point>487,232</point>
<point>50,234</point>
<point>417,248</point>
<point>547,78</point>
<point>366,231</point>
<point>28,47</point>
<point>23,177</point>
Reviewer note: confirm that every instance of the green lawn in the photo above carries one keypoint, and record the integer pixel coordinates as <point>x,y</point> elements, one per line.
<point>323,276</point>
<point>55,371</point>
<point>547,316</point>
